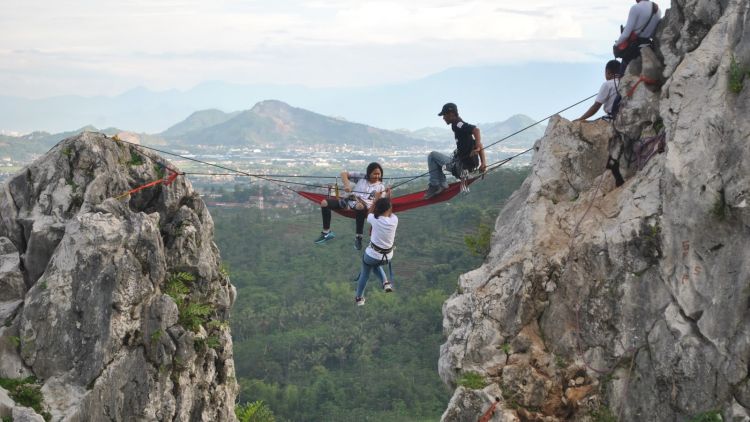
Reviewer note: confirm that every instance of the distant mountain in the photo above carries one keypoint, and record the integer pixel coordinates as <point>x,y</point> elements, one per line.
<point>197,121</point>
<point>275,122</point>
<point>487,93</point>
<point>491,132</point>
<point>27,147</point>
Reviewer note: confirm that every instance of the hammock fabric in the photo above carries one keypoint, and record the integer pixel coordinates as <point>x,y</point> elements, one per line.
<point>400,203</point>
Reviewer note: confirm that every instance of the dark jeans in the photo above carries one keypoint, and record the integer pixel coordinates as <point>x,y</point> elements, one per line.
<point>371,264</point>
<point>636,52</point>
<point>341,204</point>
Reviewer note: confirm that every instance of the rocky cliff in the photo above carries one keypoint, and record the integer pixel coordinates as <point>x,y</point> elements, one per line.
<point>117,307</point>
<point>627,303</point>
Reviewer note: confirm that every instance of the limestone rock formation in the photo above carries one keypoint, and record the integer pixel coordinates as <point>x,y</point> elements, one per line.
<point>631,302</point>
<point>117,306</point>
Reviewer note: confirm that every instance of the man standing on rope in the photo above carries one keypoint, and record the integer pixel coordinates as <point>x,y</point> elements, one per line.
<point>607,93</point>
<point>468,152</point>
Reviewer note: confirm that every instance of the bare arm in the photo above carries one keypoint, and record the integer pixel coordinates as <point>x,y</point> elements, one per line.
<point>590,112</point>
<point>478,148</point>
<point>379,195</point>
<point>345,180</point>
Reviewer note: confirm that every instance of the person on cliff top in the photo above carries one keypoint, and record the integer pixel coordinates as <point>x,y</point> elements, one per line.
<point>467,156</point>
<point>608,95</point>
<point>380,250</point>
<point>367,188</point>
<point>643,18</point>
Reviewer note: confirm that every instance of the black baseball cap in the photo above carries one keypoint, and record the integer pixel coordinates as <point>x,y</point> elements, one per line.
<point>447,108</point>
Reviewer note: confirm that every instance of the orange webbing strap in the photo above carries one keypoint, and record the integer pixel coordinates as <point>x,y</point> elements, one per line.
<point>649,81</point>
<point>166,181</point>
<point>490,412</point>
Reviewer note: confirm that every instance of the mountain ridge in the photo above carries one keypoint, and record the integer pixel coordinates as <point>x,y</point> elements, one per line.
<point>483,92</point>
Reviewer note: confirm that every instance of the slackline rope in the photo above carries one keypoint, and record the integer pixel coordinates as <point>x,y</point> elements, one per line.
<point>274,177</point>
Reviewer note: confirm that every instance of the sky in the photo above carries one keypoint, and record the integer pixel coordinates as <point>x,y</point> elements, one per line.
<point>106,47</point>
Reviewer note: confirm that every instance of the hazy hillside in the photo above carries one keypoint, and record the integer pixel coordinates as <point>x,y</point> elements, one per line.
<point>491,132</point>
<point>25,148</point>
<point>484,93</point>
<point>196,121</point>
<point>279,123</point>
<point>275,122</point>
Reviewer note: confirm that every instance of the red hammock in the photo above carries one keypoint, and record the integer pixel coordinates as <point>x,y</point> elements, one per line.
<point>400,203</point>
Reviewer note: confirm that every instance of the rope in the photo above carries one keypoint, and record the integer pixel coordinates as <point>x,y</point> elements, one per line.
<point>539,121</point>
<point>269,177</point>
<point>168,181</point>
<point>283,175</point>
<point>508,137</point>
<point>632,350</point>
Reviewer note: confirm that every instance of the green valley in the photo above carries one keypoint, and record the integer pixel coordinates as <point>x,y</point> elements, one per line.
<point>300,343</point>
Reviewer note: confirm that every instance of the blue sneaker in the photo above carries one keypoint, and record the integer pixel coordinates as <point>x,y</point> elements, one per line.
<point>325,237</point>
<point>358,243</point>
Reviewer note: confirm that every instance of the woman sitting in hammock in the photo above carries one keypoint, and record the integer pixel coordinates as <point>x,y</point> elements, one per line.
<point>360,197</point>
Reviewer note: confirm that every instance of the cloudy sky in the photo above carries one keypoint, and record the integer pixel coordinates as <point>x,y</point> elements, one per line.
<point>105,47</point>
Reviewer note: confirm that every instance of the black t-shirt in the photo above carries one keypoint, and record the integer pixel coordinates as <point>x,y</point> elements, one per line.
<point>465,142</point>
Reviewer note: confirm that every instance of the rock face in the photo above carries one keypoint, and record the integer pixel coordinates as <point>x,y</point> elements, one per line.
<point>117,305</point>
<point>599,302</point>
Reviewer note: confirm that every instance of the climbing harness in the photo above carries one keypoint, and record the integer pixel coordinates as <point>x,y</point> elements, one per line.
<point>384,252</point>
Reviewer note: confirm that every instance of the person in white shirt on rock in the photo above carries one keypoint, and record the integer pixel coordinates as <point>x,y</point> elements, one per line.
<point>643,19</point>
<point>607,92</point>
<point>380,250</point>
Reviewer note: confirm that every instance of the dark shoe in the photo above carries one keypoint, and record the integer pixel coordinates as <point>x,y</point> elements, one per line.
<point>360,301</point>
<point>433,190</point>
<point>358,243</point>
<point>325,237</point>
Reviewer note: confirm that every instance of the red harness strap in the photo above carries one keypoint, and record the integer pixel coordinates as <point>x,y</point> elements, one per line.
<point>645,79</point>
<point>490,412</point>
<point>168,181</point>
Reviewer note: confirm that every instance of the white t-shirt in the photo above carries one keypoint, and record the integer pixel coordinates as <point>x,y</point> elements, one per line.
<point>364,189</point>
<point>607,94</point>
<point>383,234</point>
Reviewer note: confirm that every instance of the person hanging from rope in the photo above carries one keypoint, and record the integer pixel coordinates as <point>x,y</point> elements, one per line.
<point>466,157</point>
<point>380,250</point>
<point>608,93</point>
<point>367,188</point>
<point>643,18</point>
